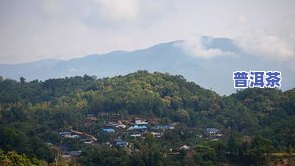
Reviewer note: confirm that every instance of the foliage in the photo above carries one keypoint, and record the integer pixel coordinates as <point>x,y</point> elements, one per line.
<point>31,114</point>
<point>14,159</point>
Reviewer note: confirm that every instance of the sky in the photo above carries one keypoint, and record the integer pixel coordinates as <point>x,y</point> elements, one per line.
<point>43,29</point>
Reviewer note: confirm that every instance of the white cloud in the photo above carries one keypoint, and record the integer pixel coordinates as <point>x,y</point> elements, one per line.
<point>118,11</point>
<point>32,30</point>
<point>264,41</point>
<point>195,46</point>
<point>268,46</point>
<point>53,7</point>
<point>72,70</point>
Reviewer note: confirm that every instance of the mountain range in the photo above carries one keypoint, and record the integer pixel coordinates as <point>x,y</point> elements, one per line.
<point>214,72</point>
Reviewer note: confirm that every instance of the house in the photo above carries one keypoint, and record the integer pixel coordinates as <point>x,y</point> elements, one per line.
<point>163,127</point>
<point>74,136</point>
<point>138,127</point>
<point>75,153</point>
<point>87,141</point>
<point>64,133</point>
<point>140,122</point>
<point>109,144</point>
<point>69,134</point>
<point>120,143</point>
<point>117,125</point>
<point>184,147</point>
<point>108,130</point>
<point>219,135</point>
<point>156,134</point>
<point>211,131</point>
<point>121,126</point>
<point>135,135</point>
<point>112,124</point>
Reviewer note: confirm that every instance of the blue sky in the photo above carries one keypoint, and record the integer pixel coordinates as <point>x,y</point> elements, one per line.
<point>33,29</point>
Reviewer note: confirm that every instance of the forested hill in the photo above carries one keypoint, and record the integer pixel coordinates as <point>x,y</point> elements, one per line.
<point>150,91</point>
<point>32,113</point>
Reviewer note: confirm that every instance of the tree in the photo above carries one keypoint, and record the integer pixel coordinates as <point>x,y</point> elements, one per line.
<point>22,80</point>
<point>205,155</point>
<point>233,147</point>
<point>220,148</point>
<point>181,115</point>
<point>261,149</point>
<point>14,159</point>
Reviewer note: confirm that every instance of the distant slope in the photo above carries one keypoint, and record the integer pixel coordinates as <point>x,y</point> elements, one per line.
<point>213,73</point>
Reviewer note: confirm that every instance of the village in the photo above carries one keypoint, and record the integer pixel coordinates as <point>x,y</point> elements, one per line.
<point>115,133</point>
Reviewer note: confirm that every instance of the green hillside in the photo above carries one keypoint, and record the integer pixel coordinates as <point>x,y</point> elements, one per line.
<point>251,125</point>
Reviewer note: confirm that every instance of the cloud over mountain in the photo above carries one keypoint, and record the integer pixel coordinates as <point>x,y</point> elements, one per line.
<point>213,72</point>
<point>34,30</point>
<point>198,47</point>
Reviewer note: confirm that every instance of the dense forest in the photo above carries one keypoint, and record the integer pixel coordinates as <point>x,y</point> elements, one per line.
<point>255,126</point>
